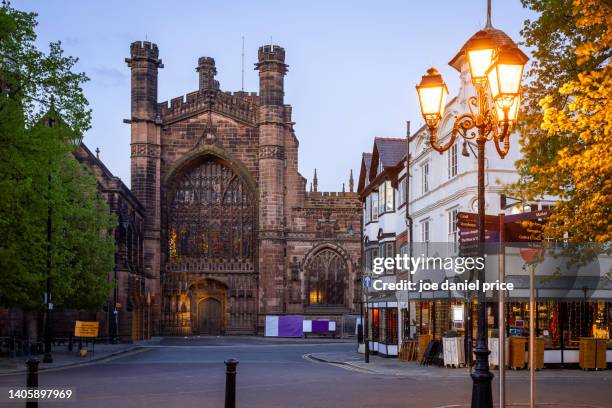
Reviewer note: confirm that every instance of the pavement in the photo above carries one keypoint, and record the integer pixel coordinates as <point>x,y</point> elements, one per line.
<point>350,359</point>
<point>63,358</point>
<point>288,373</point>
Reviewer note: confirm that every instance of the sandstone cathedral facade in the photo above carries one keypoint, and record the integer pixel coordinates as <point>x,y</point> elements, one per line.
<point>230,232</point>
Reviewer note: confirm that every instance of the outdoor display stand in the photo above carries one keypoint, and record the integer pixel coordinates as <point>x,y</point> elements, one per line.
<point>592,353</point>
<point>453,351</point>
<point>539,353</point>
<point>424,340</point>
<point>517,352</point>
<point>493,343</point>
<point>408,350</point>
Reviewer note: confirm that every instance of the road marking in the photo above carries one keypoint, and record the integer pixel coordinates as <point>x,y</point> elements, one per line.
<point>346,366</point>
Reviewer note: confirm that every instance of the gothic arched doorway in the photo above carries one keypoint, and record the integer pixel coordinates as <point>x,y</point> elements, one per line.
<point>326,281</point>
<point>210,318</point>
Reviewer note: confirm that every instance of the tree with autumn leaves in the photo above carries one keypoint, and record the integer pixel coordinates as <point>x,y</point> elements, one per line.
<point>566,132</point>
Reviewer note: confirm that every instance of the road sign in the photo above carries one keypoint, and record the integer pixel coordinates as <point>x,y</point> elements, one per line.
<point>467,220</point>
<point>367,281</point>
<point>525,227</point>
<point>86,329</point>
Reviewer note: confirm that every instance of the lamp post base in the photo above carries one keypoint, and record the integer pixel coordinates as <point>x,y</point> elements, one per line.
<point>482,394</point>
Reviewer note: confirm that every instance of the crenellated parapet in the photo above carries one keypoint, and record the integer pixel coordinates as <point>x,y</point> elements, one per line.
<point>241,106</point>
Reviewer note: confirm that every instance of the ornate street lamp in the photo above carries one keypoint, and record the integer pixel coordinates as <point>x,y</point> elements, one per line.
<point>496,68</point>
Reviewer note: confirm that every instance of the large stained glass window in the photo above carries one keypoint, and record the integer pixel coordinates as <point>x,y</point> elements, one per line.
<point>326,281</point>
<point>211,215</point>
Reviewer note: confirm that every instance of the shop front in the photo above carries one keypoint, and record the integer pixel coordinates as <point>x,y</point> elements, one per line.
<point>383,326</point>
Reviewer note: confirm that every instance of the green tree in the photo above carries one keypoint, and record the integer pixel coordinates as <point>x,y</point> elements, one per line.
<point>565,134</point>
<point>42,111</point>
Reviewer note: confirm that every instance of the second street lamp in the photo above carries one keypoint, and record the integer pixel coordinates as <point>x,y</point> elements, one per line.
<point>496,67</point>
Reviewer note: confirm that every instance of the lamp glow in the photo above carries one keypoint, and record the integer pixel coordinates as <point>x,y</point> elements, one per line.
<point>505,76</point>
<point>480,61</point>
<point>432,97</point>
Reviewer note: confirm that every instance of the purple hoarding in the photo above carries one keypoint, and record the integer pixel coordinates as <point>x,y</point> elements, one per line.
<point>320,326</point>
<point>290,326</point>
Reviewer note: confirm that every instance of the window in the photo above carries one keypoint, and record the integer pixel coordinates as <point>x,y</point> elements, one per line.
<point>211,215</point>
<point>370,255</point>
<point>453,233</point>
<point>403,251</point>
<point>386,198</point>
<point>452,161</point>
<point>425,177</point>
<point>374,205</point>
<point>327,278</point>
<point>425,231</point>
<point>389,196</point>
<point>371,208</point>
<point>401,191</point>
<point>387,250</point>
<point>391,326</point>
<point>373,318</point>
<point>381,199</point>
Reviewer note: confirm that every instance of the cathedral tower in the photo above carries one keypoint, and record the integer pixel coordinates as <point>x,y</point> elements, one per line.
<point>272,218</point>
<point>145,153</point>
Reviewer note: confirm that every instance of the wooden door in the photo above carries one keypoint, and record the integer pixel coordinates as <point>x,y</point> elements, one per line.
<point>209,317</point>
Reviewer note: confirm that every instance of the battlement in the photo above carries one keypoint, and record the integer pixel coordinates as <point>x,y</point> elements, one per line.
<point>240,105</point>
<point>331,194</point>
<point>332,199</point>
<point>206,61</point>
<point>271,53</point>
<point>144,50</point>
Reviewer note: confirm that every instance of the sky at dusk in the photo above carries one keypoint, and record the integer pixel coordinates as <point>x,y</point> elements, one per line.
<point>353,65</point>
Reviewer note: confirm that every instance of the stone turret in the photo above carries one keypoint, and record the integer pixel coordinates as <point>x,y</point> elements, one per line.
<point>273,132</point>
<point>145,125</point>
<point>144,62</point>
<point>207,70</point>
<point>272,69</point>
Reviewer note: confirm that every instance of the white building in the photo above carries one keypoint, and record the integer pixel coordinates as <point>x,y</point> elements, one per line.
<point>440,186</point>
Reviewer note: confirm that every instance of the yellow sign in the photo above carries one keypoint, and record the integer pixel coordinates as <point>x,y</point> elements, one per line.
<point>86,329</point>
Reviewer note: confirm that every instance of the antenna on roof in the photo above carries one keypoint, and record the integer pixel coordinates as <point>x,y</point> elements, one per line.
<point>488,25</point>
<point>243,63</point>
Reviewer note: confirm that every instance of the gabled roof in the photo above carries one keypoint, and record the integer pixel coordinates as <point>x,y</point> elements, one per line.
<point>366,161</point>
<point>387,151</point>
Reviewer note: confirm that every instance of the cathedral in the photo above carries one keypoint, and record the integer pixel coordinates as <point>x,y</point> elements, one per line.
<point>231,233</point>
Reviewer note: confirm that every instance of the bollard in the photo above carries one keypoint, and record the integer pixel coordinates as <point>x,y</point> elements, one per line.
<point>32,379</point>
<point>230,383</point>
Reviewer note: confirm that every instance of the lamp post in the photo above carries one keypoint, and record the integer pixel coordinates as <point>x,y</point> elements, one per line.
<point>496,68</point>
